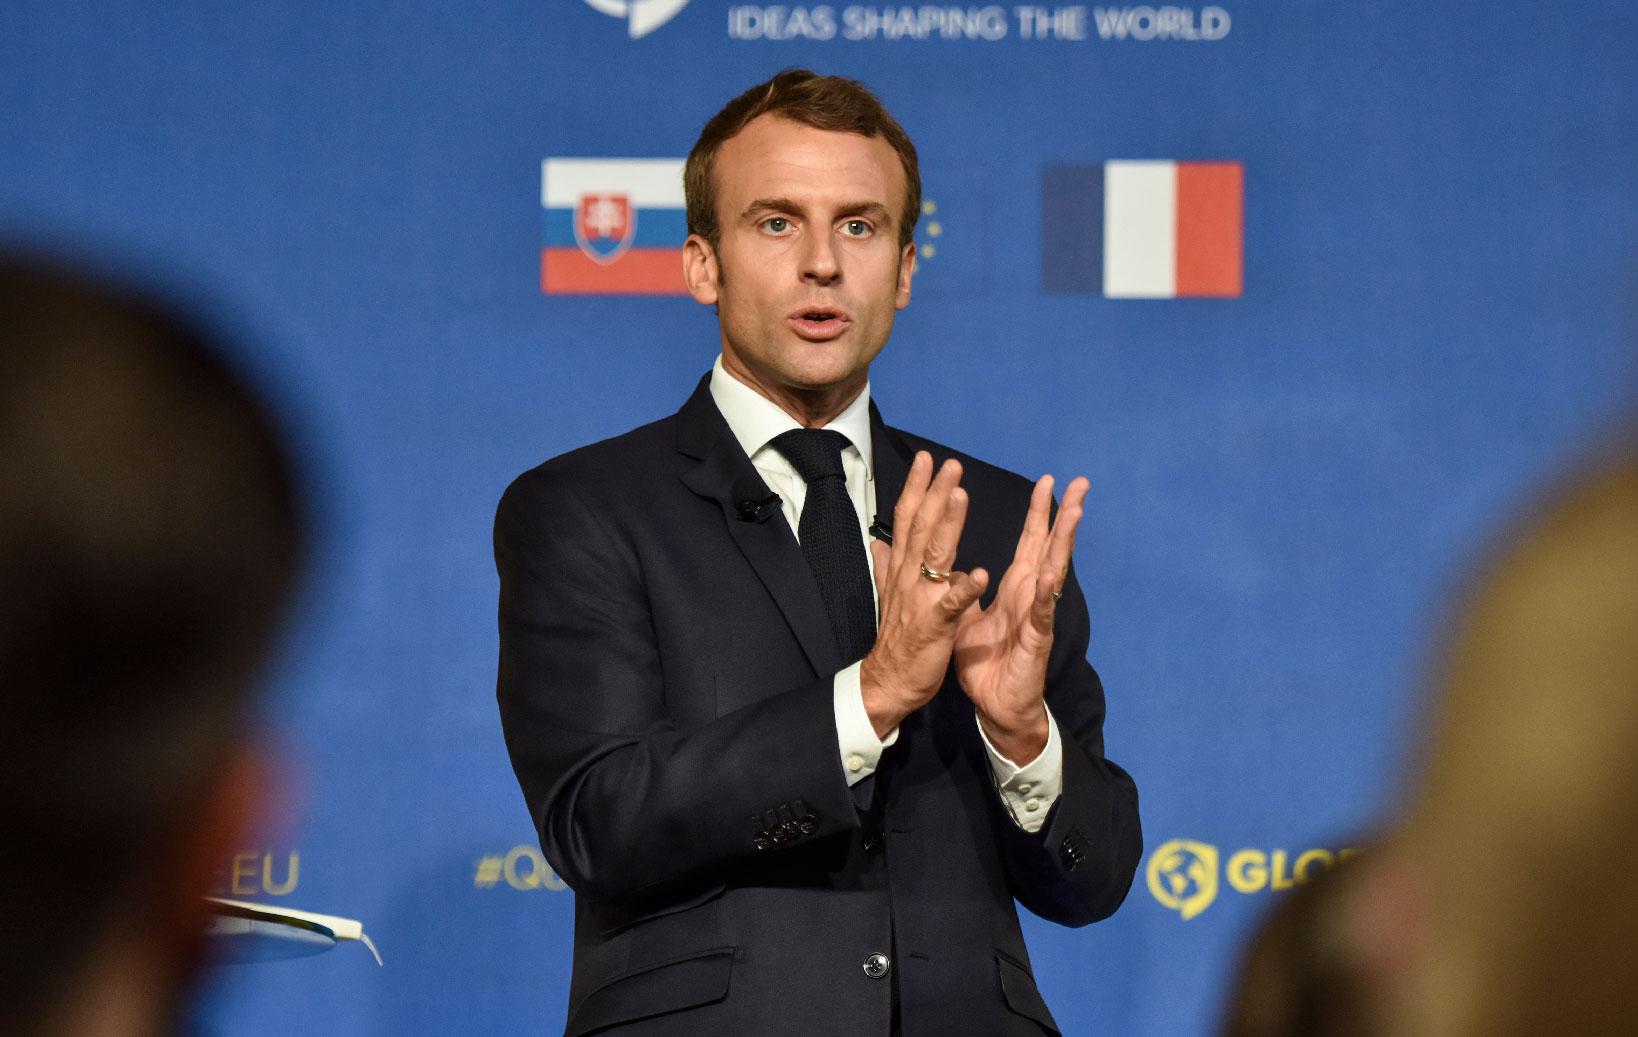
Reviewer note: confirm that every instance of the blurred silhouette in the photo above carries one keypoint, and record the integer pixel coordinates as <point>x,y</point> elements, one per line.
<point>1499,905</point>
<point>1322,959</point>
<point>149,535</point>
<point>1526,817</point>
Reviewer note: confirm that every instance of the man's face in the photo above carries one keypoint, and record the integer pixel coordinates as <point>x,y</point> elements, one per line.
<point>809,271</point>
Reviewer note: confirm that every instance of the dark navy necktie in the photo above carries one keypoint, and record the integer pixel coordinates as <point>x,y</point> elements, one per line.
<point>831,540</point>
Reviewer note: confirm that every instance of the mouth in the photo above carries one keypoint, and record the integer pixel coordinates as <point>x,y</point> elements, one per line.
<point>819,323</point>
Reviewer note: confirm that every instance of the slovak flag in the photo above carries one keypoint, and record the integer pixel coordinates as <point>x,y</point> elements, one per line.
<point>1143,229</point>
<point>614,226</point>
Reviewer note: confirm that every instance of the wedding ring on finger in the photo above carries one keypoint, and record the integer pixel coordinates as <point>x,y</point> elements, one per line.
<point>1057,594</point>
<point>934,574</point>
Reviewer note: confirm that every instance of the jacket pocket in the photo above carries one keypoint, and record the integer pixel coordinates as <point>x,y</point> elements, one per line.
<point>1018,987</point>
<point>698,979</point>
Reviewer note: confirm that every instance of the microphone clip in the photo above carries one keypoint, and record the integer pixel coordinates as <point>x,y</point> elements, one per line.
<point>882,531</point>
<point>754,502</point>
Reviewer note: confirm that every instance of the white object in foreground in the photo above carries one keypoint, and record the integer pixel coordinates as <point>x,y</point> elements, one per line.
<point>261,932</point>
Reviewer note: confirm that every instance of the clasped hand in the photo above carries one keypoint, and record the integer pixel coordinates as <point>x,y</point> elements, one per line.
<point>1000,652</point>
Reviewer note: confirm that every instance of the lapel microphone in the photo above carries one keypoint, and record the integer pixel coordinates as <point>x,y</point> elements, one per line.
<point>882,530</point>
<point>753,501</point>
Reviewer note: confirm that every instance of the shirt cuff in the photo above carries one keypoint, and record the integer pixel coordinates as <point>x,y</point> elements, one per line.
<point>1028,792</point>
<point>861,750</point>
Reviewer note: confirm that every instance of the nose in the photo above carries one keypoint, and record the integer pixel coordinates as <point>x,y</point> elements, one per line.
<point>819,261</point>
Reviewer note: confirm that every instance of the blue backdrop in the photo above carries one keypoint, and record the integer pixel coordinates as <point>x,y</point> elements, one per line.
<point>1439,235</point>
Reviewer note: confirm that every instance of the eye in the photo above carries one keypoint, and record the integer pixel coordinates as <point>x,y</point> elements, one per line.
<point>856,228</point>
<point>776,224</point>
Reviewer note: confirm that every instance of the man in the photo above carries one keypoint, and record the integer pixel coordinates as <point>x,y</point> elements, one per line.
<point>789,801</point>
<point>149,536</point>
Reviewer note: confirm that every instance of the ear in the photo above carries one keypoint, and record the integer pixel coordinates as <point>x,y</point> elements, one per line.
<point>907,270</point>
<point>233,811</point>
<point>700,270</point>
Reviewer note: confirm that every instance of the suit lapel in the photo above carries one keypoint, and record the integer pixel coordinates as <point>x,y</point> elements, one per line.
<point>769,546</point>
<point>893,456</point>
<point>892,466</point>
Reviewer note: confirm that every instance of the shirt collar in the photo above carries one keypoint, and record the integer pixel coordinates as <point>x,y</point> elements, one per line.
<point>754,419</point>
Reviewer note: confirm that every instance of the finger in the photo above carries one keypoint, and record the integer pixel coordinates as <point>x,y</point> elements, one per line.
<point>1079,487</point>
<point>962,590</point>
<point>1062,543</point>
<point>1075,501</point>
<point>1044,604</point>
<point>1035,522</point>
<point>915,488</point>
<point>1053,577</point>
<point>941,546</point>
<point>929,514</point>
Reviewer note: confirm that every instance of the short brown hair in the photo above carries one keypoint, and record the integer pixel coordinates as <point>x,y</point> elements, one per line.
<point>823,102</point>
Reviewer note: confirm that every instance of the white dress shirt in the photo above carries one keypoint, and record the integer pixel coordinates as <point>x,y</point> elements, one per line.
<point>1028,791</point>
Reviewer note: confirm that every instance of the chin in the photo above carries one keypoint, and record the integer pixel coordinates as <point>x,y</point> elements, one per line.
<point>810,380</point>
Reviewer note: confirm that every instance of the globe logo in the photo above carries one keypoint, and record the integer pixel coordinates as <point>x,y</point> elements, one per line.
<point>1183,876</point>
<point>641,16</point>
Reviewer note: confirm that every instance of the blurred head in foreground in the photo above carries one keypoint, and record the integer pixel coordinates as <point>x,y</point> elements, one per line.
<point>149,536</point>
<point>1525,822</point>
<point>1324,956</point>
<point>1500,904</point>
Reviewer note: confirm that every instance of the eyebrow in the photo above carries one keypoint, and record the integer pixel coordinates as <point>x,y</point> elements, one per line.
<point>874,210</point>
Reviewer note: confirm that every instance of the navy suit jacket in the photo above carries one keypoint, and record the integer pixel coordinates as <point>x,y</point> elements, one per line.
<point>665,688</point>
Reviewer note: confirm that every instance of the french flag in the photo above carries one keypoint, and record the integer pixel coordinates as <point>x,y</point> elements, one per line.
<point>1143,229</point>
<point>614,226</point>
